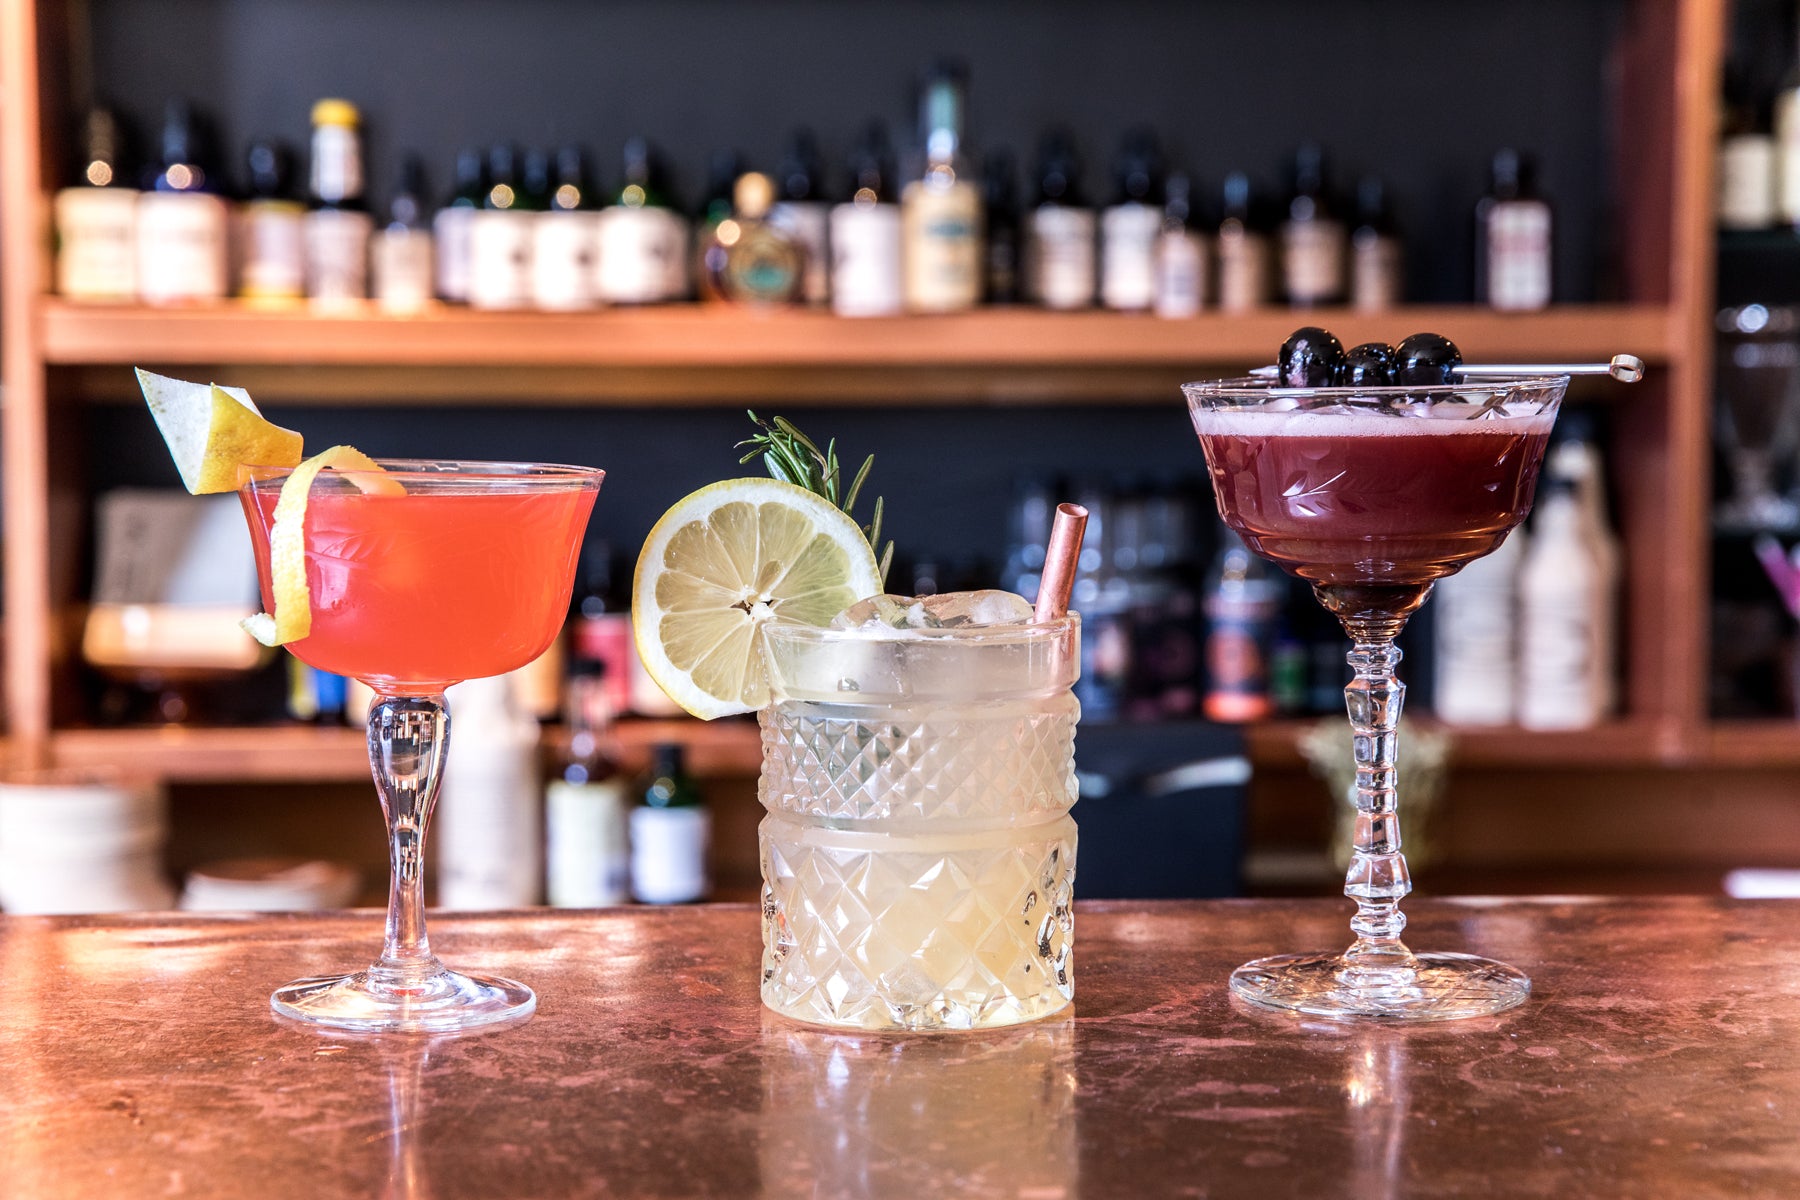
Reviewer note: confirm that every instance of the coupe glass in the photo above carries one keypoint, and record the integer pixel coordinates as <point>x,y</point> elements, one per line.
<point>1372,495</point>
<point>467,574</point>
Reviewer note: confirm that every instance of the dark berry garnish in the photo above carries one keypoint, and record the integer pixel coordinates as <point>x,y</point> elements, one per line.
<point>1426,358</point>
<point>1368,365</point>
<point>1311,357</point>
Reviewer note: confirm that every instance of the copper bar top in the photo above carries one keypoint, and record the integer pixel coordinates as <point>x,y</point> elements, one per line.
<point>1658,1056</point>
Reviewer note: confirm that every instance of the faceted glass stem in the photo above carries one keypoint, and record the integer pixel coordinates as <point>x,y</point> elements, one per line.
<point>408,738</point>
<point>1378,879</point>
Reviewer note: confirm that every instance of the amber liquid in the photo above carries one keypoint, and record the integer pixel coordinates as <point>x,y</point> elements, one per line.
<point>1387,501</point>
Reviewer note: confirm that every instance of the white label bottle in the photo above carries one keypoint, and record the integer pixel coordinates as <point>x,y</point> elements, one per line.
<point>181,224</point>
<point>866,237</point>
<point>1181,257</point>
<point>566,241</point>
<point>1514,264</point>
<point>96,221</point>
<point>501,239</point>
<point>1567,591</point>
<point>670,832</point>
<point>1061,270</point>
<point>643,254</point>
<point>488,833</point>
<point>588,855</point>
<point>338,224</point>
<point>941,209</point>
<point>1476,618</point>
<point>450,228</point>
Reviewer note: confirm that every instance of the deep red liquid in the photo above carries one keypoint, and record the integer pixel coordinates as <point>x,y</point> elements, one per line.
<point>1362,507</point>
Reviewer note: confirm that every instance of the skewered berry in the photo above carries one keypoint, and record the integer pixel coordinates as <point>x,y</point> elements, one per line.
<point>1311,357</point>
<point>1426,358</point>
<point>1368,365</point>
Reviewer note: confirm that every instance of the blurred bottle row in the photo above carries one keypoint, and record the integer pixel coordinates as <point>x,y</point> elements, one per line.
<point>530,230</point>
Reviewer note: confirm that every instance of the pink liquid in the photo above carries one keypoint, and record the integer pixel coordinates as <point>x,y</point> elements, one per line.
<point>413,593</point>
<point>1379,500</point>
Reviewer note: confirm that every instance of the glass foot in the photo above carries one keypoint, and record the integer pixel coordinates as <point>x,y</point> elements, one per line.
<point>439,1003</point>
<point>1438,987</point>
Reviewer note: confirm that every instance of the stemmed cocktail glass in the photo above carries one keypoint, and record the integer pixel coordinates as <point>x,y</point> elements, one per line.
<point>465,573</point>
<point>1371,494</point>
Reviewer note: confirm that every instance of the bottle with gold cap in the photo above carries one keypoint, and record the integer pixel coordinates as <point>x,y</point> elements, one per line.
<point>338,225</point>
<point>760,264</point>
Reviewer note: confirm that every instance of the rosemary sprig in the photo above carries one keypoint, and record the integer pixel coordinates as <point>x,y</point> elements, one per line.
<point>792,457</point>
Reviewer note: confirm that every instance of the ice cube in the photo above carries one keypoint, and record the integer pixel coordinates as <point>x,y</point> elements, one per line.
<point>948,610</point>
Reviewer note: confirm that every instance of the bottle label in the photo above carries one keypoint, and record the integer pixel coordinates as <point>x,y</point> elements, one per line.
<point>1518,237</point>
<point>337,164</point>
<point>337,256</point>
<point>643,255</point>
<point>1476,622</point>
<point>403,260</point>
<point>96,253</point>
<point>565,251</point>
<point>273,237</point>
<point>500,244</point>
<point>1236,660</point>
<point>1180,274</point>
<point>1787,139</point>
<point>180,247</point>
<point>1374,272</point>
<point>1243,271</point>
<point>450,231</point>
<point>1312,261</point>
<point>607,640</point>
<point>668,853</point>
<point>942,244</point>
<point>1747,177</point>
<point>866,255</point>
<point>809,225</point>
<point>589,855</point>
<point>1128,238</point>
<point>1061,256</point>
<point>488,836</point>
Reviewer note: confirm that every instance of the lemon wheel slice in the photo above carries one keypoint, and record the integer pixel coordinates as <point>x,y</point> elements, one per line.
<point>292,619</point>
<point>724,560</point>
<point>212,430</point>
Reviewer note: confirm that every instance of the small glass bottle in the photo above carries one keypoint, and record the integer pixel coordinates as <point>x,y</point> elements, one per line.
<point>1004,253</point>
<point>1513,265</point>
<point>1243,600</point>
<point>1060,252</point>
<point>96,218</point>
<point>865,235</point>
<point>800,211</point>
<point>722,171</point>
<point>643,256</point>
<point>670,832</point>
<point>761,263</point>
<point>181,221</point>
<point>1312,238</point>
<point>941,209</point>
<point>500,237</point>
<point>271,230</point>
<point>588,851</point>
<point>489,834</point>
<point>1130,226</point>
<point>402,251</point>
<point>600,626</point>
<point>566,240</point>
<point>338,224</point>
<point>451,226</point>
<point>1374,251</point>
<point>1181,258</point>
<point>1243,249</point>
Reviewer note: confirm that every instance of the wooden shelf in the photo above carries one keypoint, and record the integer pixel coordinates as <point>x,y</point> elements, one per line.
<point>1754,744</point>
<point>1624,743</point>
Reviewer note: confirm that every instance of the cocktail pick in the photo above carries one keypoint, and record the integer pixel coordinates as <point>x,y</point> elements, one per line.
<point>1060,560</point>
<point>1626,368</point>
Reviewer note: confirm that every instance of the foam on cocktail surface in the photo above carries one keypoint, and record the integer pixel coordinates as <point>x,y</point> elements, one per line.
<point>1448,420</point>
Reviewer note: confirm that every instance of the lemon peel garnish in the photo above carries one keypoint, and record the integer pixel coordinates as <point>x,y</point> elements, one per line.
<point>211,431</point>
<point>292,619</point>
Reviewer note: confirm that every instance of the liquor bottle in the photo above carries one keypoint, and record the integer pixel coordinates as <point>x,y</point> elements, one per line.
<point>643,239</point>
<point>338,224</point>
<point>1243,249</point>
<point>1568,594</point>
<point>271,230</point>
<point>181,221</point>
<point>451,227</point>
<point>1374,250</point>
<point>1242,602</point>
<point>1169,647</point>
<point>1130,226</point>
<point>1475,637</point>
<point>865,235</point>
<point>1787,146</point>
<point>1181,258</point>
<point>1059,244</point>
<point>1102,597</point>
<point>500,237</point>
<point>670,829</point>
<point>600,627</point>
<point>588,851</point>
<point>802,213</point>
<point>761,263</point>
<point>1513,239</point>
<point>941,209</point>
<point>566,240</point>
<point>402,252</point>
<point>489,835</point>
<point>1004,251</point>
<point>96,218</point>
<point>1312,237</point>
<point>1748,170</point>
<point>722,171</point>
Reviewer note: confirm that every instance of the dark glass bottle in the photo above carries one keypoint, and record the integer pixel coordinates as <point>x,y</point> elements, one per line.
<point>96,217</point>
<point>1061,250</point>
<point>271,229</point>
<point>1312,236</point>
<point>181,219</point>
<point>1130,224</point>
<point>802,213</point>
<point>670,829</point>
<point>451,227</point>
<point>1000,206</point>
<point>1375,281</point>
<point>866,234</point>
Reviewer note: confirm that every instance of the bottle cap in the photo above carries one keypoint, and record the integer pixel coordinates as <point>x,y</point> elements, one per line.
<point>336,112</point>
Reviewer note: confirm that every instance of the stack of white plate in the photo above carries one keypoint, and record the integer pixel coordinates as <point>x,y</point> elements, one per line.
<point>269,885</point>
<point>74,842</point>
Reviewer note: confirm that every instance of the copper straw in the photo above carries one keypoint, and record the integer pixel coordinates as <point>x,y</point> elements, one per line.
<point>1060,559</point>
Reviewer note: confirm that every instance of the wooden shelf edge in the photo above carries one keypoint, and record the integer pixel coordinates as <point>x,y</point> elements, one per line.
<point>1622,743</point>
<point>1754,743</point>
<point>711,336</point>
